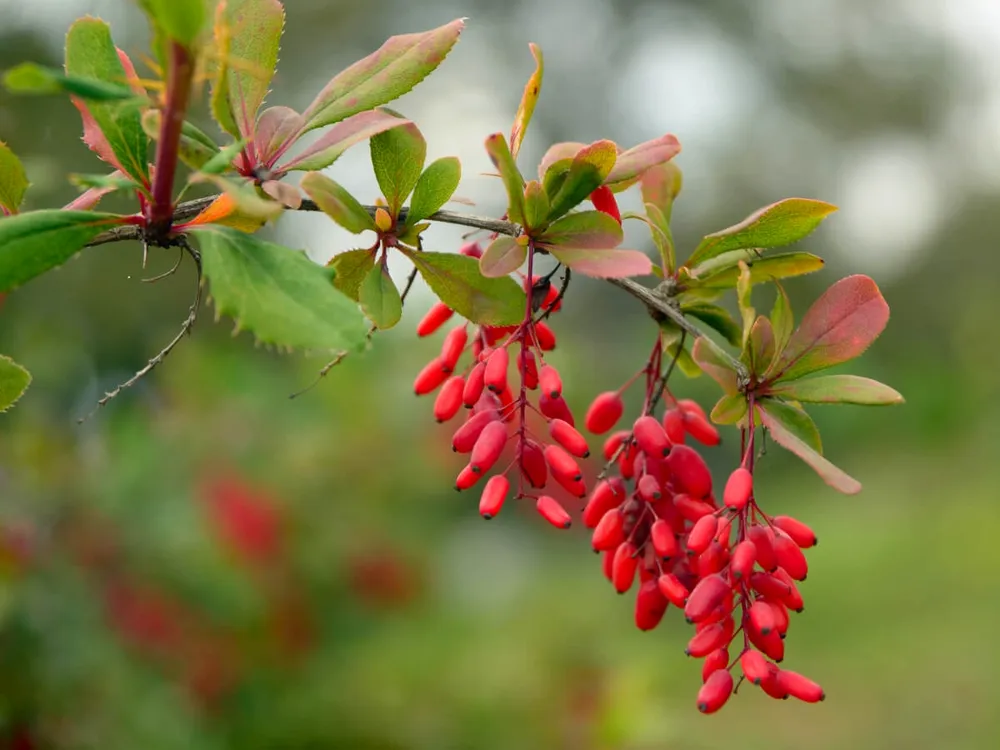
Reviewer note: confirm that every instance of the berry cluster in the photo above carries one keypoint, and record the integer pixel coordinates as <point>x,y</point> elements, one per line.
<point>496,416</point>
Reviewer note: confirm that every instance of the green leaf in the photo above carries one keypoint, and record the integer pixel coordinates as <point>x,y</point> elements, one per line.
<point>496,148</point>
<point>536,206</point>
<point>351,268</point>
<point>744,286</point>
<point>838,389</point>
<point>90,52</point>
<point>718,318</point>
<point>635,161</point>
<point>660,187</point>
<point>335,141</point>
<point>674,349</point>
<point>456,280</point>
<point>589,169</point>
<point>707,354</point>
<point>782,320</point>
<point>760,350</point>
<point>662,235</point>
<point>13,180</point>
<point>195,148</point>
<point>795,420</point>
<point>729,409</point>
<point>434,188</point>
<point>839,326</point>
<point>14,381</point>
<point>181,20</point>
<point>588,229</point>
<point>254,29</point>
<point>380,298</point>
<point>781,223</point>
<point>559,153</point>
<point>223,160</point>
<point>502,256</point>
<point>603,263</point>
<point>398,158</point>
<point>336,202</point>
<point>29,78</point>
<point>113,182</point>
<point>528,101</point>
<point>389,72</point>
<point>278,293</point>
<point>722,271</point>
<point>833,476</point>
<point>34,242</point>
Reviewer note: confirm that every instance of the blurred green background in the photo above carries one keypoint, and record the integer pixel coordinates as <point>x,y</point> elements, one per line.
<point>375,608</point>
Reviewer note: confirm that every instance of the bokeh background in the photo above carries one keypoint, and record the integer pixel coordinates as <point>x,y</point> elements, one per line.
<point>208,564</point>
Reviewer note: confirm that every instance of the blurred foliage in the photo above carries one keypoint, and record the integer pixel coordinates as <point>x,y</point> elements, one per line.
<point>385,613</point>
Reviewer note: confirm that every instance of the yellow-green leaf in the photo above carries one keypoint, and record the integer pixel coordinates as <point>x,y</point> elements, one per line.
<point>502,256</point>
<point>588,170</point>
<point>380,298</point>
<point>351,268</point>
<point>536,206</point>
<point>838,389</point>
<point>722,271</point>
<point>499,153</point>
<point>336,202</point>
<point>14,381</point>
<point>729,409</point>
<point>528,100</point>
<point>13,180</point>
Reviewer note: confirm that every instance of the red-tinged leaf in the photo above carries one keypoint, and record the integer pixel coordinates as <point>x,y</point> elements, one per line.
<point>832,475</point>
<point>503,256</point>
<point>603,264</point>
<point>795,419</point>
<point>131,77</point>
<point>706,354</point>
<point>660,186</point>
<point>729,409</point>
<point>536,206</point>
<point>341,137</point>
<point>91,197</point>
<point>287,195</point>
<point>838,389</point>
<point>781,223</point>
<point>389,72</point>
<point>94,137</point>
<point>499,153</point>
<point>594,230</point>
<point>528,100</point>
<point>782,319</point>
<point>558,152</point>
<point>760,350</point>
<point>837,328</point>
<point>588,170</point>
<point>276,129</point>
<point>633,162</point>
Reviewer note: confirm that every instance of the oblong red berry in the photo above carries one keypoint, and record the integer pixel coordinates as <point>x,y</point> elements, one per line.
<point>718,659</point>
<point>702,534</point>
<point>688,406</point>
<point>433,375</point>
<point>770,643</point>
<point>549,381</point>
<point>467,478</point>
<point>672,588</point>
<point>623,567</point>
<point>472,249</point>
<point>738,489</point>
<point>691,508</point>
<point>789,556</point>
<point>454,345</point>
<point>705,597</point>
<point>608,494</point>
<point>613,444</point>
<point>673,426</point>
<point>772,686</point>
<point>569,438</point>
<point>529,368</point>
<point>553,512</point>
<point>763,539</point>
<point>690,471</point>
<point>800,687</point>
<point>552,300</point>
<point>698,427</point>
<point>649,489</point>
<point>465,437</point>
<point>650,437</point>
<point>706,640</point>
<point>793,599</point>
<point>780,611</point>
<point>562,463</point>
<point>495,375</point>
<point>494,495</point>
<point>610,531</point>
<point>604,201</point>
<point>604,412</point>
<point>801,534</point>
<point>769,586</point>
<point>762,617</point>
<point>555,408</point>
<point>664,542</point>
<point>713,559</point>
<point>488,448</point>
<point>715,692</point>
<point>546,336</point>
<point>755,666</point>
<point>532,464</point>
<point>650,606</point>
<point>474,385</point>
<point>436,317</point>
<point>449,399</point>
<point>742,560</point>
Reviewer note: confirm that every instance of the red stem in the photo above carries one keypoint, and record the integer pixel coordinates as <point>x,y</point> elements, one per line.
<point>160,212</point>
<point>522,367</point>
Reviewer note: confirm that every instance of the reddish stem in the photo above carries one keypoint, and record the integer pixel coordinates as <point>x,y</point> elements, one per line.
<point>160,212</point>
<point>522,367</point>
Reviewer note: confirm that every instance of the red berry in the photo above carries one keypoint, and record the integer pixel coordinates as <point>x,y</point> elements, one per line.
<point>467,478</point>
<point>707,640</point>
<point>770,643</point>
<point>772,686</point>
<point>663,539</point>
<point>555,408</point>
<point>762,617</point>
<point>604,201</point>
<point>793,599</point>
<point>471,249</point>
<point>650,606</point>
<point>604,412</point>
<point>801,534</point>
<point>608,494</point>
<point>562,463</point>
<point>433,375</point>
<point>789,556</point>
<point>690,407</point>
<point>763,540</point>
<point>713,559</point>
<point>692,509</point>
<point>780,612</point>
<point>698,427</point>
<point>529,367</point>
<point>718,659</point>
<point>495,376</point>
<point>552,300</point>
<point>690,471</point>
<point>474,385</point>
<point>755,666</point>
<point>800,687</point>
<point>548,379</point>
<point>650,437</point>
<point>702,534</point>
<point>533,464</point>
<point>672,588</point>
<point>488,448</point>
<point>649,489</point>
<point>454,345</point>
<point>715,692</point>
<point>623,567</point>
<point>705,597</point>
<point>569,438</point>
<point>769,586</point>
<point>738,489</point>
<point>494,495</point>
<point>742,560</point>
<point>436,317</point>
<point>673,426</point>
<point>610,531</point>
<point>546,337</point>
<point>465,437</point>
<point>449,399</point>
<point>614,442</point>
<point>553,512</point>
